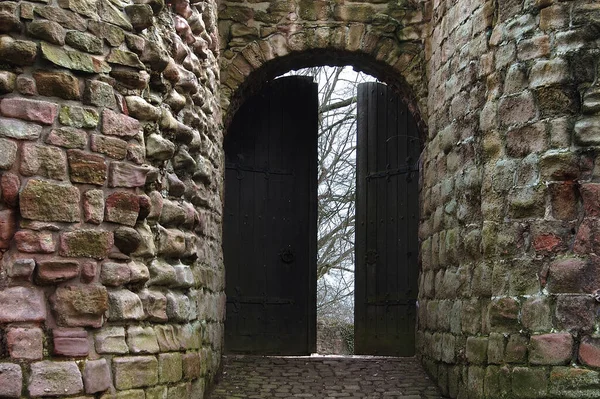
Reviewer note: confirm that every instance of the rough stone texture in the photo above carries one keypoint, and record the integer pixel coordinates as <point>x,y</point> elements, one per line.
<point>22,304</point>
<point>55,379</point>
<point>11,380</point>
<point>96,376</point>
<point>80,305</point>
<point>47,201</point>
<point>86,243</point>
<point>135,371</point>
<point>25,343</point>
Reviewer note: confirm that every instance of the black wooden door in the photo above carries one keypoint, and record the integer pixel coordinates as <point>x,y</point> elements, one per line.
<point>386,224</point>
<point>269,233</point>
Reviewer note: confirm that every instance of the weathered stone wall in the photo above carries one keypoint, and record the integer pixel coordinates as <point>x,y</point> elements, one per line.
<point>111,278</point>
<point>510,200</point>
<point>508,92</point>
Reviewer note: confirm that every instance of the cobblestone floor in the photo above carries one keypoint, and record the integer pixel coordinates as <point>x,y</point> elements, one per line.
<point>323,377</point>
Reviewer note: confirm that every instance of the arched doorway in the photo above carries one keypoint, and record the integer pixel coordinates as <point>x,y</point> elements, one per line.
<point>279,318</point>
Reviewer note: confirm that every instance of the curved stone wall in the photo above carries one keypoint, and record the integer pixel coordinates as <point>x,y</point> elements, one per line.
<point>111,278</point>
<point>509,271</point>
<point>508,91</point>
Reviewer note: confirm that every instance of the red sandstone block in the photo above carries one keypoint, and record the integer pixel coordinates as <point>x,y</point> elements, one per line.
<point>589,351</point>
<point>70,342</point>
<point>86,243</point>
<point>96,376</point>
<point>25,343</point>
<point>86,168</point>
<point>56,270</point>
<point>55,379</point>
<point>8,227</point>
<point>10,185</point>
<point>590,193</point>
<point>122,207</point>
<point>88,271</point>
<point>35,241</point>
<point>80,305</point>
<point>563,199</point>
<point>11,380</point>
<point>114,124</point>
<point>551,349</point>
<point>29,110</point>
<point>22,304</point>
<point>546,242</point>
<point>122,174</point>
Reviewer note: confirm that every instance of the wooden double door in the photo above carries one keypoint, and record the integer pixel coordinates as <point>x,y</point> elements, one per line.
<point>270,222</point>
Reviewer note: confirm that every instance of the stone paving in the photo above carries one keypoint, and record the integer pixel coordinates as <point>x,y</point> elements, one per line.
<point>323,377</point>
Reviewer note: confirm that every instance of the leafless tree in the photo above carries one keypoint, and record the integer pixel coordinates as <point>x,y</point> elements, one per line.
<point>336,189</point>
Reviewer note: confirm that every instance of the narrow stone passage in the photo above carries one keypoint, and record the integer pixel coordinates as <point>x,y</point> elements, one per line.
<point>323,377</point>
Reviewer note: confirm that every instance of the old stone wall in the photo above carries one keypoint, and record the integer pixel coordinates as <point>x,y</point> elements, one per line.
<point>111,276</point>
<point>507,93</point>
<point>508,296</point>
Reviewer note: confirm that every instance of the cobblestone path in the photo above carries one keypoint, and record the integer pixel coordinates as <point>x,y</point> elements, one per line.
<point>323,377</point>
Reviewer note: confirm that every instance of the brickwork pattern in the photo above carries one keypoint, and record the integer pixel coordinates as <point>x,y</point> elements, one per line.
<point>111,278</point>
<point>323,377</point>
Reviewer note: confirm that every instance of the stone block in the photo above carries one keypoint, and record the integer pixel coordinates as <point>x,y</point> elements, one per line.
<point>48,201</point>
<point>35,241</point>
<point>516,349</point>
<point>96,376</point>
<point>476,350</point>
<point>24,343</point>
<point>19,130</point>
<point>7,81</point>
<point>563,200</point>
<point>67,137</point>
<point>155,305</point>
<point>191,365</point>
<point>50,378</point>
<point>178,307</point>
<point>53,271</point>
<point>128,240</point>
<point>139,272</point>
<point>80,305</point>
<point>93,206</point>
<point>159,148</point>
<point>76,116</point>
<point>8,153</point>
<point>8,227</point>
<point>115,274</point>
<point>529,383</point>
<point>142,340</point>
<point>169,367</point>
<point>551,349</point>
<point>587,131</point>
<point>73,59</point>
<point>88,271</point>
<point>122,174</point>
<point>114,124</point>
<point>135,372</point>
<point>184,276</point>
<point>122,207</point>
<point>57,84</point>
<point>11,380</point>
<point>43,112</point>
<point>107,145</point>
<point>87,168</point>
<point>43,161</point>
<point>549,72</point>
<point>17,52</point>
<point>111,340</point>
<point>166,337</point>
<point>86,243</point>
<point>162,273</point>
<point>589,351</point>
<point>536,314</point>
<point>171,242</point>
<point>573,382</point>
<point>125,305</point>
<point>84,41</point>
<point>178,391</point>
<point>575,313</point>
<point>21,269</point>
<point>100,94</point>
<point>517,109</point>
<point>70,342</point>
<point>22,304</point>
<point>559,166</point>
<point>503,315</point>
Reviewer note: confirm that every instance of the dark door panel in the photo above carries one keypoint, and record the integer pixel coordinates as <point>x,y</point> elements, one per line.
<point>269,233</point>
<point>387,224</point>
